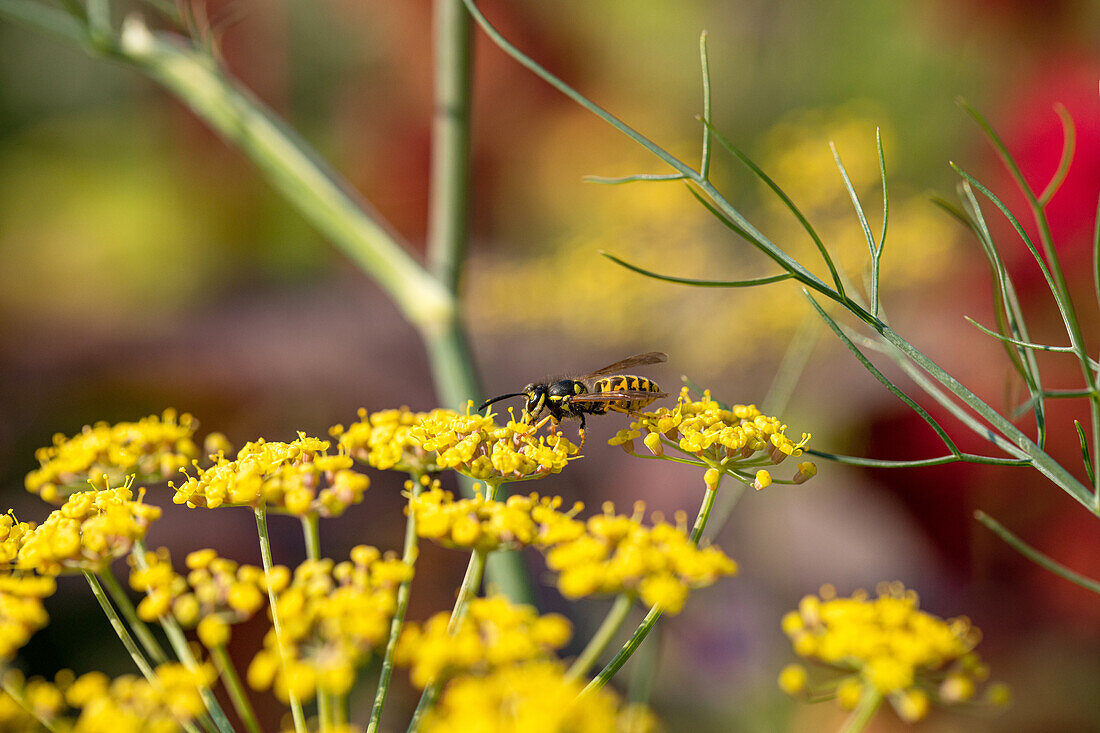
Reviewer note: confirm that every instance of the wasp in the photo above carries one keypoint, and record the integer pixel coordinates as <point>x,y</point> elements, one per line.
<point>591,394</point>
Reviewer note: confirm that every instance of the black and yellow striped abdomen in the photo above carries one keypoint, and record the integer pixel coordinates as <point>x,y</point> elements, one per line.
<point>625,383</point>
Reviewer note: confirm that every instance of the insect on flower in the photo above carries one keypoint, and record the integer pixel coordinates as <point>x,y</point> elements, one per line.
<point>591,394</point>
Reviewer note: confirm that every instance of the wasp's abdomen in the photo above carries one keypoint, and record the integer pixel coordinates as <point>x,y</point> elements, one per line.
<point>626,383</point>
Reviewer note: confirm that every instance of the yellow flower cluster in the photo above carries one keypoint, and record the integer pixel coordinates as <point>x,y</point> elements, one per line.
<point>617,553</point>
<point>299,477</point>
<point>152,448</point>
<point>216,593</point>
<point>93,703</point>
<point>333,616</point>
<point>532,696</point>
<point>486,524</point>
<point>726,438</point>
<point>88,531</point>
<point>384,440</point>
<point>21,610</point>
<point>476,446</point>
<point>890,646</point>
<point>493,633</point>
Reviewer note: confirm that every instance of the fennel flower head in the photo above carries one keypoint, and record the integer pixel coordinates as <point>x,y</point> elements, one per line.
<point>886,646</point>
<point>299,478</point>
<point>150,449</point>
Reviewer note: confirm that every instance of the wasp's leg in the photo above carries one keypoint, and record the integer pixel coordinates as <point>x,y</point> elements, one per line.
<point>543,421</point>
<point>581,431</point>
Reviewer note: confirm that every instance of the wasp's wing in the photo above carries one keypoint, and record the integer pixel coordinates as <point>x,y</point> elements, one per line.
<point>650,357</point>
<point>617,396</point>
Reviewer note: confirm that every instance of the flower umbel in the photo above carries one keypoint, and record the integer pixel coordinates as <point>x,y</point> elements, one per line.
<point>299,477</point>
<point>735,440</point>
<point>93,703</point>
<point>889,647</point>
<point>494,633</point>
<point>333,616</point>
<point>476,446</point>
<point>384,440</point>
<point>152,448</point>
<point>617,553</point>
<point>533,696</point>
<point>485,524</point>
<point>90,530</point>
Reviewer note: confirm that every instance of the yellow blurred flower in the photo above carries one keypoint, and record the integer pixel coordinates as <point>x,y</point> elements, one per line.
<point>333,615</point>
<point>153,449</point>
<point>384,440</point>
<point>886,646</point>
<point>494,633</point>
<point>485,524</point>
<point>21,609</point>
<point>532,696</point>
<point>216,593</point>
<point>617,554</point>
<point>93,703</point>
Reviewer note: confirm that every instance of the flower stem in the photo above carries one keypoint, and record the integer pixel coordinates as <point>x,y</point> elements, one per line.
<point>603,636</point>
<point>408,555</point>
<point>141,630</point>
<point>265,555</point>
<point>236,690</point>
<point>312,533</point>
<point>178,641</point>
<point>466,592</point>
<point>655,612</point>
<point>863,712</point>
<point>119,627</point>
<point>625,653</point>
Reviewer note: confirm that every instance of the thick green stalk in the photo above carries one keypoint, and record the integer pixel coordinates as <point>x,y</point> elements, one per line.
<point>265,556</point>
<point>449,202</point>
<point>290,165</point>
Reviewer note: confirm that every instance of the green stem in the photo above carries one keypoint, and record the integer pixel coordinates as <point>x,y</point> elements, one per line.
<point>408,555</point>
<point>655,612</point>
<point>626,652</point>
<point>864,711</point>
<point>311,532</point>
<point>141,630</point>
<point>290,165</point>
<point>237,694</point>
<point>466,592</point>
<point>265,555</point>
<point>603,636</point>
<point>119,627</point>
<point>448,212</point>
<point>178,642</point>
<point>1034,555</point>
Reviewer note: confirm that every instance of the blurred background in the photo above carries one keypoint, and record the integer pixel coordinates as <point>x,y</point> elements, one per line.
<point>147,265</point>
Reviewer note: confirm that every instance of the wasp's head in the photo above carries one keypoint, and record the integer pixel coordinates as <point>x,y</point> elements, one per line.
<point>536,395</point>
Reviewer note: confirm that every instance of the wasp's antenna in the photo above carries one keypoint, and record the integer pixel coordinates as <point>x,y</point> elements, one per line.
<point>486,403</point>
